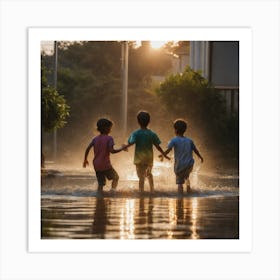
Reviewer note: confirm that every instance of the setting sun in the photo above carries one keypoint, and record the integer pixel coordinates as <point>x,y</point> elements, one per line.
<point>157,44</point>
<point>153,44</point>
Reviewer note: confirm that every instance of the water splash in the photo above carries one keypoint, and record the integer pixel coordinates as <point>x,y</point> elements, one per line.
<point>81,182</point>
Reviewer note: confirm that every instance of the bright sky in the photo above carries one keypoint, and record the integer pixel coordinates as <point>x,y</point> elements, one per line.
<point>157,44</point>
<point>154,44</point>
<point>47,46</point>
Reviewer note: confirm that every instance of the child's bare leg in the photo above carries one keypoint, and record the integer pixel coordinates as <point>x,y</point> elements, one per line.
<point>151,182</point>
<point>141,183</point>
<point>180,188</point>
<point>115,179</point>
<point>140,169</point>
<point>150,177</point>
<point>188,184</point>
<point>101,180</point>
<point>115,183</point>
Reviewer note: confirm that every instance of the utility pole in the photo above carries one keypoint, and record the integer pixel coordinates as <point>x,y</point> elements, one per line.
<point>55,87</point>
<point>124,67</point>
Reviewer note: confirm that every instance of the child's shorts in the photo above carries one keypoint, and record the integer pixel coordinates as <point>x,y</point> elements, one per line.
<point>110,174</point>
<point>143,170</point>
<point>183,175</point>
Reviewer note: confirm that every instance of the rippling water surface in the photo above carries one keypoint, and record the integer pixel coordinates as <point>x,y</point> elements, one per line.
<point>71,208</point>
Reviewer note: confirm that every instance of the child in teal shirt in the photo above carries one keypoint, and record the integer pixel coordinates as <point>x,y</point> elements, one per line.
<point>144,140</point>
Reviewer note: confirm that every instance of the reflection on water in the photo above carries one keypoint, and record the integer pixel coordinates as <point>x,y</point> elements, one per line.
<point>140,218</point>
<point>72,208</point>
<point>194,207</point>
<point>127,220</point>
<point>99,218</point>
<point>172,219</point>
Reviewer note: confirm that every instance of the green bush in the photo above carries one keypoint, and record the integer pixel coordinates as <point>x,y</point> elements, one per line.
<point>191,96</point>
<point>54,109</point>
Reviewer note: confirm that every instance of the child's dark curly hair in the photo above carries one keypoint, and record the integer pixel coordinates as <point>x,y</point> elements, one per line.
<point>103,125</point>
<point>180,126</point>
<point>143,118</point>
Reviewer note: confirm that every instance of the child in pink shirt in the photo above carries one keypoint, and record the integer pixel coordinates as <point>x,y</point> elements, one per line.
<point>103,145</point>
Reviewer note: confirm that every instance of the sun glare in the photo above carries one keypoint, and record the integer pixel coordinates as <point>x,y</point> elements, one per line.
<point>154,44</point>
<point>157,44</point>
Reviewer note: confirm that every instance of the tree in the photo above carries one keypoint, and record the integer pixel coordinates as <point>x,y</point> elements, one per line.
<point>89,78</point>
<point>145,61</point>
<point>178,47</point>
<point>191,96</point>
<point>54,109</point>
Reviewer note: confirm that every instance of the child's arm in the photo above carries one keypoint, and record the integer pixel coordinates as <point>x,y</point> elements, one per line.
<point>123,148</point>
<point>198,154</point>
<point>164,154</point>
<point>85,163</point>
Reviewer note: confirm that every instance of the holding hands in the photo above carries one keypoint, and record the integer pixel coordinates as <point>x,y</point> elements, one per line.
<point>85,163</point>
<point>162,156</point>
<point>124,147</point>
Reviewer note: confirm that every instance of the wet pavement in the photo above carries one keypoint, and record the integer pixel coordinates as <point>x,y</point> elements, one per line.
<point>71,208</point>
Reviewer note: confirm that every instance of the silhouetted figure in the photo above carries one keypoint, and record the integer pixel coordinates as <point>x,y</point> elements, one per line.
<point>100,218</point>
<point>144,140</point>
<point>103,145</point>
<point>183,154</point>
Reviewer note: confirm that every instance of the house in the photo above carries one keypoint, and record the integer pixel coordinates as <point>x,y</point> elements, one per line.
<point>218,62</point>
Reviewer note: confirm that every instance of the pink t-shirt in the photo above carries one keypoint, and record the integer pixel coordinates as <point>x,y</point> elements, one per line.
<point>101,146</point>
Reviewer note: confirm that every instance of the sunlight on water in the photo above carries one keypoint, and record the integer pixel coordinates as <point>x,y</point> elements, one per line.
<point>129,216</point>
<point>194,211</point>
<point>73,208</point>
<point>127,220</point>
<point>159,169</point>
<point>172,218</point>
<point>82,182</point>
<point>139,218</point>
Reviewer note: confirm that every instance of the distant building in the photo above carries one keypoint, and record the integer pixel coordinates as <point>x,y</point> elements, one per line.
<point>181,57</point>
<point>219,63</point>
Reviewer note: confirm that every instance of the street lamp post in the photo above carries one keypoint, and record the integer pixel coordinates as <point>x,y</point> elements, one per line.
<point>55,87</point>
<point>124,67</point>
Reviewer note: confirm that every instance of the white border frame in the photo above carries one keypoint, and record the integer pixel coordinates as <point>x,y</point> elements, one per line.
<point>262,16</point>
<point>243,35</point>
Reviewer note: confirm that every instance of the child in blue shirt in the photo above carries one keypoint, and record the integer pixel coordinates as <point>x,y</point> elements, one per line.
<point>183,154</point>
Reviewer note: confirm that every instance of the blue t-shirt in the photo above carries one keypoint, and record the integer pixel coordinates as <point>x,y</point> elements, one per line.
<point>183,148</point>
<point>144,139</point>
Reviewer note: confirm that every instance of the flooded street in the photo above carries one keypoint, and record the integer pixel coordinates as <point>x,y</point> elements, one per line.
<point>71,208</point>
<point>140,218</point>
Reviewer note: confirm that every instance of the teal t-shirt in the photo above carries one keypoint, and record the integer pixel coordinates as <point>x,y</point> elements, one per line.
<point>144,139</point>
